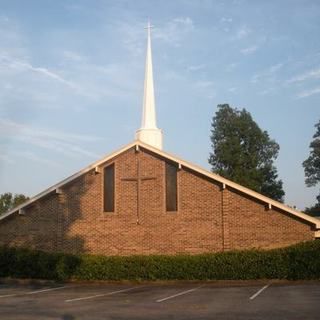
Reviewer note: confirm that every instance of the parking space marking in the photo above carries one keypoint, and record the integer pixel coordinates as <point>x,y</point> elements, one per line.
<point>45,290</point>
<point>12,295</point>
<point>259,291</point>
<point>31,292</point>
<point>101,295</point>
<point>179,294</point>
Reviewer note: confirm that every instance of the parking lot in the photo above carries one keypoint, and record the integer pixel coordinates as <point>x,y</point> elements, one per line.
<point>205,300</point>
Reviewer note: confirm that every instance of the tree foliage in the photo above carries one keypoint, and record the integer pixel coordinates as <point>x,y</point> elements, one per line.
<point>314,210</point>
<point>9,201</point>
<point>243,153</point>
<point>312,167</point>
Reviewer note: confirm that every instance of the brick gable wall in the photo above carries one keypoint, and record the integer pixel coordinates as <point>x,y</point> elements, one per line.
<point>208,219</point>
<point>251,224</point>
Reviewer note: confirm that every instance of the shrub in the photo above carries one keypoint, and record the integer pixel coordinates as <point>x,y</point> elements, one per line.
<point>301,261</point>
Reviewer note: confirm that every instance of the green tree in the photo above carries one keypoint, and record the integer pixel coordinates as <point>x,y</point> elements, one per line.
<point>9,201</point>
<point>312,168</point>
<point>243,153</point>
<point>314,210</point>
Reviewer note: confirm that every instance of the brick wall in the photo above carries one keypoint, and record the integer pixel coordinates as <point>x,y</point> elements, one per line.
<point>36,229</point>
<point>252,225</point>
<point>208,219</point>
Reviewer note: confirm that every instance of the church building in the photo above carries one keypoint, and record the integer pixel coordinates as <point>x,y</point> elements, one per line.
<point>142,200</point>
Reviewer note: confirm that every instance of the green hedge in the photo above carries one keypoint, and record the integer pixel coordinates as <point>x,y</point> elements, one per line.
<point>301,261</point>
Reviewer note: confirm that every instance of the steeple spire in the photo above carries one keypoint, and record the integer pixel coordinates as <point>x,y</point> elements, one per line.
<point>149,132</point>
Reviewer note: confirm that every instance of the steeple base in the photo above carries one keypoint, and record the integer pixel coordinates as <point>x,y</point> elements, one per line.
<point>152,137</point>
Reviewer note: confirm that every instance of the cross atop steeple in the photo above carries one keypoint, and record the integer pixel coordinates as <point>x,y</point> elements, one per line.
<point>149,132</point>
<point>149,27</point>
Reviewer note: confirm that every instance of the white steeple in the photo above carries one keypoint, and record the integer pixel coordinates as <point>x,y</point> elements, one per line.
<point>149,133</point>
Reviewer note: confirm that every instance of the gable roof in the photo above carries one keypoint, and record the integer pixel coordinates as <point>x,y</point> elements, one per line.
<point>137,144</point>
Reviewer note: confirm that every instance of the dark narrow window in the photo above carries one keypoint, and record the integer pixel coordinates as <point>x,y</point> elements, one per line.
<point>171,187</point>
<point>108,183</point>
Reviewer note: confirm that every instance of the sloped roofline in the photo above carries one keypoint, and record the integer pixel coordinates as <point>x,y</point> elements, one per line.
<point>182,163</point>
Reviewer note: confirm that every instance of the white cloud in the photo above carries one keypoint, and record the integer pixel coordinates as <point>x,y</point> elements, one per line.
<point>206,88</point>
<point>9,127</point>
<point>311,74</point>
<point>132,36</point>
<point>4,158</point>
<point>275,68</point>
<point>249,50</point>
<point>21,66</point>
<point>35,158</point>
<point>44,88</point>
<point>65,143</point>
<point>242,32</point>
<point>267,91</point>
<point>231,67</point>
<point>185,21</point>
<point>308,93</point>
<point>232,89</point>
<point>71,80</point>
<point>37,86</point>
<point>73,56</point>
<point>204,84</point>
<point>226,20</point>
<point>173,75</point>
<point>268,74</point>
<point>174,31</point>
<point>196,67</point>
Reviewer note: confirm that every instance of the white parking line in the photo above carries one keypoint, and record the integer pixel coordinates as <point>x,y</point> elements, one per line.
<point>259,291</point>
<point>179,294</point>
<point>12,295</point>
<point>31,292</point>
<point>45,290</point>
<point>101,295</point>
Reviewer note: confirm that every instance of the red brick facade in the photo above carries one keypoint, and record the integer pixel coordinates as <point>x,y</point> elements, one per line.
<point>210,218</point>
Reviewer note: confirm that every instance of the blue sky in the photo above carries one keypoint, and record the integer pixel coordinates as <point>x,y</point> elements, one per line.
<point>71,81</point>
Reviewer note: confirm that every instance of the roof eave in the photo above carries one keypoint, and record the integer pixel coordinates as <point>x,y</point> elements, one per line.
<point>235,186</point>
<point>67,180</point>
<point>181,163</point>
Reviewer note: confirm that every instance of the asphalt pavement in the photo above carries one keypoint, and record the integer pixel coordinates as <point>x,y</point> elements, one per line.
<point>194,300</point>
